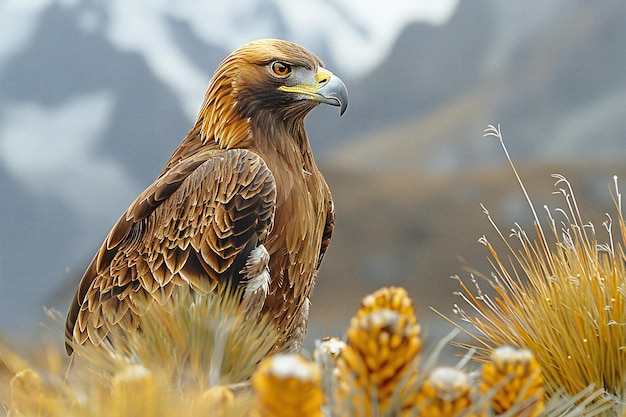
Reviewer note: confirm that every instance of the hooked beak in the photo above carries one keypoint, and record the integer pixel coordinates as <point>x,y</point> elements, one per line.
<point>329,90</point>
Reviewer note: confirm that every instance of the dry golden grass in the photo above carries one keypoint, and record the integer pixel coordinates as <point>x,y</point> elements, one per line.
<point>200,360</point>
<point>190,362</point>
<point>560,294</point>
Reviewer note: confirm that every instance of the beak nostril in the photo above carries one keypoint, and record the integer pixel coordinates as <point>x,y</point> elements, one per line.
<point>323,81</point>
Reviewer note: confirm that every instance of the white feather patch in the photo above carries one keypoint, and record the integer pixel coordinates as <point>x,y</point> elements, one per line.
<point>256,280</point>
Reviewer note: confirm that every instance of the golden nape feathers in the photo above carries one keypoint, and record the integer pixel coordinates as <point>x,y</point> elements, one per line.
<point>240,203</point>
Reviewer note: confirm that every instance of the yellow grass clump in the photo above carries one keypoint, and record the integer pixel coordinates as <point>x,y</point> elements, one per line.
<point>177,366</point>
<point>560,294</point>
<point>194,361</point>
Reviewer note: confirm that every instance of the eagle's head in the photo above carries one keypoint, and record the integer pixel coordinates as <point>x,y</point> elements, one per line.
<point>267,82</point>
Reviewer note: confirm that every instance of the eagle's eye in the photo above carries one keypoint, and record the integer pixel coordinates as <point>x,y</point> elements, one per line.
<point>280,69</point>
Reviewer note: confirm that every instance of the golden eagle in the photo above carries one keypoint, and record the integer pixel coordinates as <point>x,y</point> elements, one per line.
<point>240,202</point>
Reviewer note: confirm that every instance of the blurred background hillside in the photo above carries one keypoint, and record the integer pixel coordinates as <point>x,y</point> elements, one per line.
<point>95,96</point>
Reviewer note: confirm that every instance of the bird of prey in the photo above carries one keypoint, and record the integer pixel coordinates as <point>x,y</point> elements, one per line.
<point>240,202</point>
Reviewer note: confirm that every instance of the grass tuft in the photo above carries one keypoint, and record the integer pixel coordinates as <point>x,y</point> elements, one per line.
<point>560,294</point>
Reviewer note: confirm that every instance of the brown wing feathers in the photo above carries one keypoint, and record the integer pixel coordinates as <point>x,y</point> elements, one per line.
<point>200,233</point>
